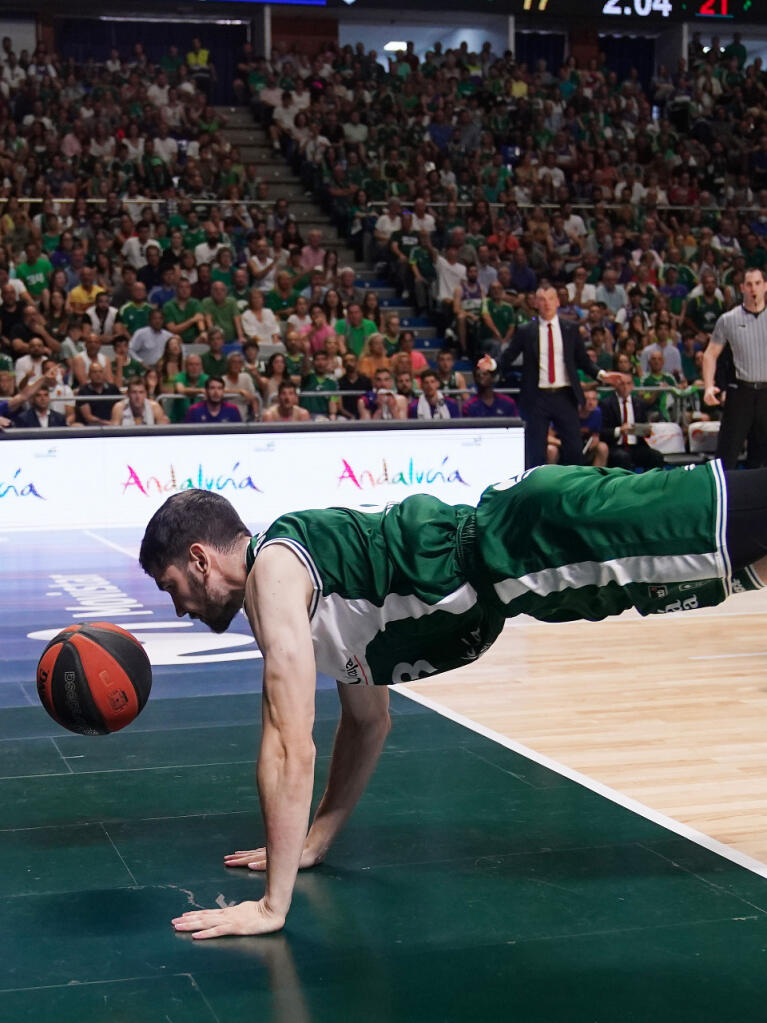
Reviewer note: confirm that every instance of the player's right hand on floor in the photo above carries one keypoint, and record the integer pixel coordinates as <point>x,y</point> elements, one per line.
<point>255,859</point>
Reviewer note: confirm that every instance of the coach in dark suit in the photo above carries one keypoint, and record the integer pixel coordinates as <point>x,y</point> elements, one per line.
<point>622,413</point>
<point>552,353</point>
<point>39,414</point>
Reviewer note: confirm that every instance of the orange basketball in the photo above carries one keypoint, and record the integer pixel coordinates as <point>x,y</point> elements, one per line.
<point>94,678</point>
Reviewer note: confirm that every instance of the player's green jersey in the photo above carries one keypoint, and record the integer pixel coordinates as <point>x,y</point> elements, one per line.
<point>423,587</point>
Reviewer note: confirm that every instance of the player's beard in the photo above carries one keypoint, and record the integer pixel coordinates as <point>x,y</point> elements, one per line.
<point>219,608</point>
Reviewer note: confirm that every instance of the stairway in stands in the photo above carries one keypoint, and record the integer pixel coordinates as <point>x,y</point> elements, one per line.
<point>255,147</point>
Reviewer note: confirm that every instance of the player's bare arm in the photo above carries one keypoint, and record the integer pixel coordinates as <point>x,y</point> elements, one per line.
<point>361,735</point>
<point>276,597</point>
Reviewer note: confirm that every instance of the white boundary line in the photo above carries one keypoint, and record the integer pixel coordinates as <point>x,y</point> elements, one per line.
<point>677,827</point>
<point>110,543</point>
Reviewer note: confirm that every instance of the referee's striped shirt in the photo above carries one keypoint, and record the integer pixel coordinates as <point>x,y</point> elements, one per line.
<point>747,334</point>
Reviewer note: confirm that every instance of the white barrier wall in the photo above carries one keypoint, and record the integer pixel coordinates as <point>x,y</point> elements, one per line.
<point>120,481</point>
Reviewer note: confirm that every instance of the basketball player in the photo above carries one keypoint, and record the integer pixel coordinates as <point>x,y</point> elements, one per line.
<point>374,598</point>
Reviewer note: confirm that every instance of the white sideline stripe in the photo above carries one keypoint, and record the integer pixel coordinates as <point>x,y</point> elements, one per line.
<point>143,626</point>
<point>677,827</point>
<point>133,555</point>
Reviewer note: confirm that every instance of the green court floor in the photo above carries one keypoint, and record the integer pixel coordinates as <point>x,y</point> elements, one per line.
<point>470,885</point>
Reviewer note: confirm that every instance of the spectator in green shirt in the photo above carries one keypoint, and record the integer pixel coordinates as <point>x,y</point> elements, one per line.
<point>735,49</point>
<point>222,269</point>
<point>135,314</point>
<point>34,271</point>
<point>171,62</point>
<point>296,361</point>
<point>240,291</point>
<point>195,232</point>
<point>659,401</point>
<point>355,329</point>
<point>498,320</point>
<point>190,385</point>
<point>424,273</point>
<point>124,366</point>
<point>214,360</point>
<point>704,310</point>
<point>222,311</point>
<point>282,298</point>
<point>183,314</point>
<point>318,380</point>
<point>401,245</point>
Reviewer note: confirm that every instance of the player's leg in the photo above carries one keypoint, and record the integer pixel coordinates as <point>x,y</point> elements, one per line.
<point>646,457</point>
<point>747,519</point>
<point>757,435</point>
<point>736,422</point>
<point>565,543</point>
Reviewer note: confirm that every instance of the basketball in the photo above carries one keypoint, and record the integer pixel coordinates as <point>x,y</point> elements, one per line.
<point>94,679</point>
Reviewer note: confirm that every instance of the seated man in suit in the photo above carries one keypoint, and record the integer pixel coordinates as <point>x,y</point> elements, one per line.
<point>624,427</point>
<point>552,353</point>
<point>39,413</point>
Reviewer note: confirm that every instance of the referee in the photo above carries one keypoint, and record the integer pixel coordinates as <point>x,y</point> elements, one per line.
<point>745,411</point>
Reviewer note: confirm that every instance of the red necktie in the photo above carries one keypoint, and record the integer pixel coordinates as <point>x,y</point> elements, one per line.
<point>552,374</point>
<point>625,440</point>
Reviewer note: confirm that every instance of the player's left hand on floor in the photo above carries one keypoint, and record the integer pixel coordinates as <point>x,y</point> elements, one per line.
<point>255,859</point>
<point>244,918</point>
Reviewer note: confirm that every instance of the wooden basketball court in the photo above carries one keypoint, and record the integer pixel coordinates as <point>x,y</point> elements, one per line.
<point>670,711</point>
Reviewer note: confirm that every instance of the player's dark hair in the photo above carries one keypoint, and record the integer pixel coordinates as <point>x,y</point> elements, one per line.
<point>192,516</point>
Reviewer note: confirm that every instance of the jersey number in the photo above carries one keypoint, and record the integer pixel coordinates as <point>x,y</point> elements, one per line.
<point>404,672</point>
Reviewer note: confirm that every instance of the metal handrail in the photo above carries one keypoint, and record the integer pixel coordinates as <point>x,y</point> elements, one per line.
<point>462,204</point>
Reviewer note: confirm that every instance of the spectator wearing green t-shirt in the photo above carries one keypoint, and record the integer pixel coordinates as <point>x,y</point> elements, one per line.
<point>240,290</point>
<point>214,360</point>
<point>183,314</point>
<point>223,312</point>
<point>124,366</point>
<point>401,245</point>
<point>658,400</point>
<point>135,314</point>
<point>702,311</point>
<point>195,232</point>
<point>282,298</point>
<point>190,386</point>
<point>424,273</point>
<point>171,62</point>
<point>222,269</point>
<point>318,380</point>
<point>355,329</point>
<point>737,50</point>
<point>499,319</point>
<point>35,271</point>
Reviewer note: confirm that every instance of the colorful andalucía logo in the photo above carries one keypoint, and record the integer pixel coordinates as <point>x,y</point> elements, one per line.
<point>202,478</point>
<point>410,474</point>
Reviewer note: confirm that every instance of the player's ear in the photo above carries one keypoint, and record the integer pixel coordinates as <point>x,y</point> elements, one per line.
<point>199,558</point>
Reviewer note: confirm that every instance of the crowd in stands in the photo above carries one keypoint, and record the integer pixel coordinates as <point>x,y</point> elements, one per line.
<point>145,267</point>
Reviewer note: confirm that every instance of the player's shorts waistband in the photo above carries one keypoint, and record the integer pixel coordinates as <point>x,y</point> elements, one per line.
<point>466,548</point>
